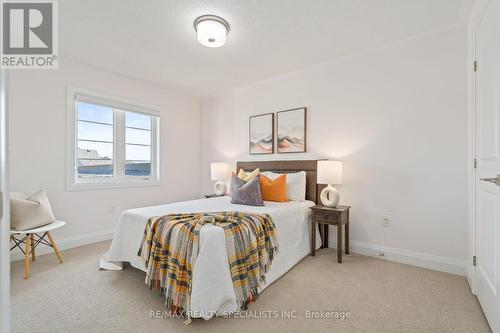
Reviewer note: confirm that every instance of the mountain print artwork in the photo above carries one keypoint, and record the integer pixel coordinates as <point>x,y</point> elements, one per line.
<point>261,140</point>
<point>292,131</point>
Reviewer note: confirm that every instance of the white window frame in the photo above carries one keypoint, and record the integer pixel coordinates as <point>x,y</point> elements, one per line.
<point>119,180</point>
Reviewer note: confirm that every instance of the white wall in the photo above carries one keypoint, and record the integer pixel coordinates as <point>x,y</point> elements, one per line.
<point>38,148</point>
<point>397,117</point>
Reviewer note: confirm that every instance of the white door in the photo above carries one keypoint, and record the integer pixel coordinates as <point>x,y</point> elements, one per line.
<point>487,92</point>
<point>4,204</point>
<point>4,210</point>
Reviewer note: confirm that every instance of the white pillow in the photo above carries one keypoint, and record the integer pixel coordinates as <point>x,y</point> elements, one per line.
<point>29,213</point>
<point>295,184</point>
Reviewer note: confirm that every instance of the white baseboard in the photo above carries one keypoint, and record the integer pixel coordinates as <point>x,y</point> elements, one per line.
<point>66,243</point>
<point>470,273</point>
<point>418,259</point>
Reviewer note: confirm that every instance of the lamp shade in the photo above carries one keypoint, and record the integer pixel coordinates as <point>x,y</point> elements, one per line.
<point>219,170</point>
<point>329,172</point>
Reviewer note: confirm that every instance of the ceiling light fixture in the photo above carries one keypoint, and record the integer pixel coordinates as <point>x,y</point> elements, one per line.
<point>212,30</point>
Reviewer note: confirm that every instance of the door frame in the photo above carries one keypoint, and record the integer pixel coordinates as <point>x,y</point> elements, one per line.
<point>482,5</point>
<point>475,22</point>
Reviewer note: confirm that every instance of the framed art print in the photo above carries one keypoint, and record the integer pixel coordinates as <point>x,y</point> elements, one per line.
<point>261,134</point>
<point>292,131</point>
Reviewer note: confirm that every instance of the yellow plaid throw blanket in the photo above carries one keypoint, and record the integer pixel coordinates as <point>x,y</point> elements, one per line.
<point>171,243</point>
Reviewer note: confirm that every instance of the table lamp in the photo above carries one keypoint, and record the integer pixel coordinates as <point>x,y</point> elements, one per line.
<point>330,173</point>
<point>219,172</point>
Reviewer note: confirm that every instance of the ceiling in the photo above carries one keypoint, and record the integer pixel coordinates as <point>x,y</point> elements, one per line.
<point>154,40</point>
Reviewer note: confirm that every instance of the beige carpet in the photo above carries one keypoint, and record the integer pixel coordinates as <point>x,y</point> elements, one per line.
<point>380,296</point>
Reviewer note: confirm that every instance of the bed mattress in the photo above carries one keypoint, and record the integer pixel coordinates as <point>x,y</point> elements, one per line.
<point>212,290</point>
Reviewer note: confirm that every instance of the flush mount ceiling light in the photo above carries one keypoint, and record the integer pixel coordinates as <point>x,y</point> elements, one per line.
<point>212,30</point>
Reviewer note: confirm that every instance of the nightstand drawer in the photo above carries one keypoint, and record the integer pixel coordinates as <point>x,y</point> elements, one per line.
<point>325,217</point>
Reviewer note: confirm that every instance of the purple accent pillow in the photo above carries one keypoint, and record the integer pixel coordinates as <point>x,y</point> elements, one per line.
<point>246,193</point>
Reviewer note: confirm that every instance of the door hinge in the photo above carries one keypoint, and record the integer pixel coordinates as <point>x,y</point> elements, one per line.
<point>475,66</point>
<point>475,163</point>
<point>474,260</point>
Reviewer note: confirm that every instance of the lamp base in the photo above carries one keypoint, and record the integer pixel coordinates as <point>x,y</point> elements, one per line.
<point>220,188</point>
<point>329,196</point>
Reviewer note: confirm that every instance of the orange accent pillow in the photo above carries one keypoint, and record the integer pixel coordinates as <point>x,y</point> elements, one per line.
<point>273,190</point>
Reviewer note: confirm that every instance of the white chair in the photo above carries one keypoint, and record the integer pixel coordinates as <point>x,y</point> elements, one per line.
<point>27,237</point>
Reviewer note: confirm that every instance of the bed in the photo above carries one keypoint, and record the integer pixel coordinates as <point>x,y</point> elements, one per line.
<point>212,290</point>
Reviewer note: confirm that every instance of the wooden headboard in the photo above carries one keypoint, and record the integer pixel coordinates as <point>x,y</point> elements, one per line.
<point>309,166</point>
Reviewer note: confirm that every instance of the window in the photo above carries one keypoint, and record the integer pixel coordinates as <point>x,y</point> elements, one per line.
<point>95,140</point>
<point>137,144</point>
<point>115,142</point>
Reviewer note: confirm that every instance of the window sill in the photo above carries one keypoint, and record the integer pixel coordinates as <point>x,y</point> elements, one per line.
<point>112,184</point>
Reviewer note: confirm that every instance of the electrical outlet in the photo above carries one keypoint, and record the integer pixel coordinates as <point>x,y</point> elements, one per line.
<point>386,221</point>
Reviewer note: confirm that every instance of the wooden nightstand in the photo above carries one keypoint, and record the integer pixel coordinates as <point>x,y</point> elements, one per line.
<point>325,216</point>
<point>213,195</point>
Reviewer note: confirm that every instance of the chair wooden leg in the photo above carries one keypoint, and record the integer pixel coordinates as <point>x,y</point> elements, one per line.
<point>32,245</point>
<point>56,250</point>
<point>27,257</point>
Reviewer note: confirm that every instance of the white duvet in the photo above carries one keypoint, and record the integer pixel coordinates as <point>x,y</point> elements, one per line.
<point>212,289</point>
